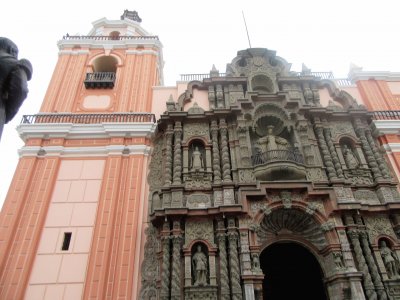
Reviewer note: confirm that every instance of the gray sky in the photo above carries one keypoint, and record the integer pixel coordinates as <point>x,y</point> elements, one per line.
<point>325,35</point>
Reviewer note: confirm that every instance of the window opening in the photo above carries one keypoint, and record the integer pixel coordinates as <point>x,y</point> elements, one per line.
<point>67,241</point>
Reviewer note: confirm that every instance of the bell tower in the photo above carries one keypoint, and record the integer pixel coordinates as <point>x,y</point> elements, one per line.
<point>72,223</point>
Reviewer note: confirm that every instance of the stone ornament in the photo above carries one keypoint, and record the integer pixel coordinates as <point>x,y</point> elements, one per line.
<point>349,157</point>
<point>390,260</point>
<point>196,161</point>
<point>14,75</point>
<point>199,267</point>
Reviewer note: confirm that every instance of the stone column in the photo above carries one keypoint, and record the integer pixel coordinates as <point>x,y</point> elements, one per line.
<point>378,156</point>
<point>176,267</point>
<point>168,155</point>
<point>332,150</point>
<point>177,153</point>
<point>244,146</point>
<point>376,278</point>
<point>367,150</point>
<point>165,271</point>
<point>236,288</point>
<point>325,152</point>
<point>368,285</point>
<point>226,165</point>
<point>223,261</point>
<point>216,162</point>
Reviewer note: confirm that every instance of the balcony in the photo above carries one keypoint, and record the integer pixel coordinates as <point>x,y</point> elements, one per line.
<point>386,115</point>
<point>279,165</point>
<point>100,80</point>
<point>109,38</point>
<point>89,118</point>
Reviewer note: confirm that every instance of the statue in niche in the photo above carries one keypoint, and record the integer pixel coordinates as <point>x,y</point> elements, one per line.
<point>270,143</point>
<point>349,157</point>
<point>199,265</point>
<point>156,201</point>
<point>390,260</point>
<point>196,162</point>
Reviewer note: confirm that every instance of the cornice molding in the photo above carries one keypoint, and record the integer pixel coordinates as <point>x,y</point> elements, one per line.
<point>377,75</point>
<point>386,126</point>
<point>392,147</point>
<point>85,131</point>
<point>98,151</point>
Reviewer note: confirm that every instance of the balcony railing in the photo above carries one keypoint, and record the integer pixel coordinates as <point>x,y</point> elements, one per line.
<point>191,77</point>
<point>89,118</point>
<point>199,77</point>
<point>109,38</point>
<point>386,115</point>
<point>292,155</point>
<point>100,80</point>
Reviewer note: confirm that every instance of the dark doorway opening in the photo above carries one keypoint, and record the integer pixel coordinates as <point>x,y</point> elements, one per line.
<point>291,272</point>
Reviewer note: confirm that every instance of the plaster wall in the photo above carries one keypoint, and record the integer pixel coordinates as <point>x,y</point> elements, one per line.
<point>131,92</point>
<point>201,98</point>
<point>394,87</point>
<point>325,98</point>
<point>354,92</point>
<point>57,273</point>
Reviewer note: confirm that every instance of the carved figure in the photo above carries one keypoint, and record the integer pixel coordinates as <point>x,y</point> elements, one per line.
<point>350,158</point>
<point>270,142</point>
<point>199,265</point>
<point>14,75</point>
<point>390,260</point>
<point>196,160</point>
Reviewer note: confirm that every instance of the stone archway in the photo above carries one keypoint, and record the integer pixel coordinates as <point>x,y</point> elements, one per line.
<point>291,272</point>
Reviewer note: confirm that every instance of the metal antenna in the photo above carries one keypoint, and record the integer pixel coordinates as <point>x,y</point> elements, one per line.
<point>248,37</point>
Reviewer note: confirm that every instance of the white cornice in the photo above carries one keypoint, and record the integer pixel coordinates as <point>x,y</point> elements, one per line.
<point>392,147</point>
<point>387,126</point>
<point>377,75</point>
<point>98,151</point>
<point>85,131</point>
<point>141,52</point>
<point>116,44</point>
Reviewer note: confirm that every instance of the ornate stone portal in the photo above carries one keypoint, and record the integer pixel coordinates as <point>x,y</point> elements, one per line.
<point>267,164</point>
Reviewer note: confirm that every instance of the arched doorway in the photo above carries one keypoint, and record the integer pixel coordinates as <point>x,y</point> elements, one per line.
<point>291,272</point>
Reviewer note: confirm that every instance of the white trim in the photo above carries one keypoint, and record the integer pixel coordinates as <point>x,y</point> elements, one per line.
<point>141,52</point>
<point>85,131</point>
<point>97,151</point>
<point>387,126</point>
<point>392,147</point>
<point>73,52</point>
<point>377,75</point>
<point>116,44</point>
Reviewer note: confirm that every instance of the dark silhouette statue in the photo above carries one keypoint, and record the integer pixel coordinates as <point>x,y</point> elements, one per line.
<point>14,75</point>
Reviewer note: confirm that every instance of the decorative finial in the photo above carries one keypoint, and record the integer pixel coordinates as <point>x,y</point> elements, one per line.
<point>131,15</point>
<point>305,70</point>
<point>214,72</point>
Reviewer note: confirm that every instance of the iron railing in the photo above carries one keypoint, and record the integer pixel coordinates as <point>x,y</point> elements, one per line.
<point>292,155</point>
<point>89,118</point>
<point>109,38</point>
<point>386,115</point>
<point>100,80</point>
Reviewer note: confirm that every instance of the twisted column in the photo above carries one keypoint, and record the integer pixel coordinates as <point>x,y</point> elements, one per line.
<point>226,165</point>
<point>332,150</point>
<point>176,267</point>
<point>223,266</point>
<point>168,155</point>
<point>165,275</point>
<point>215,152</point>
<point>234,266</point>
<point>326,156</point>
<point>367,281</point>
<point>177,153</point>
<point>376,278</point>
<point>368,151</point>
<point>378,156</point>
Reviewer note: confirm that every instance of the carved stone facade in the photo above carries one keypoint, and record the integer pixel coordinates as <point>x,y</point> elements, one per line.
<point>265,162</point>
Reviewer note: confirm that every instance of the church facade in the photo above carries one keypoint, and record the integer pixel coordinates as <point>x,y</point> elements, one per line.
<point>260,182</point>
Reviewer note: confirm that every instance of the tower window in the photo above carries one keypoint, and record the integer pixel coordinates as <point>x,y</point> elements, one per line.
<point>66,241</point>
<point>103,75</point>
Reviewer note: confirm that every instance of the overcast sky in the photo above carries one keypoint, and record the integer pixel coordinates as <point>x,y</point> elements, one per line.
<point>325,35</point>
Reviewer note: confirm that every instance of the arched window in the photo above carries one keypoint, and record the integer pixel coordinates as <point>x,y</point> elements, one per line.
<point>103,76</point>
